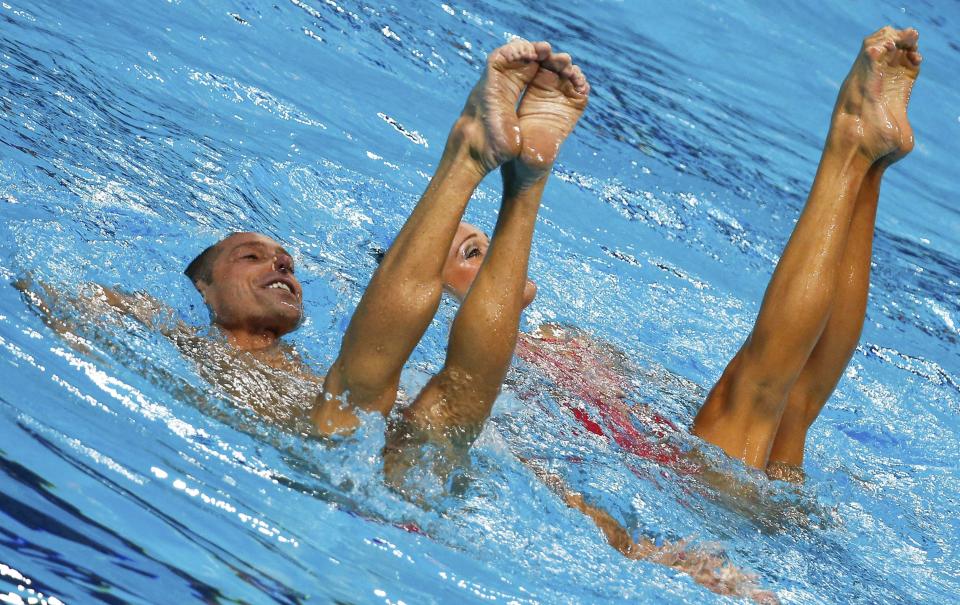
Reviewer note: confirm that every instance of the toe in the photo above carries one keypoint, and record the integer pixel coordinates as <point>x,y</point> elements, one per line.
<point>527,51</point>
<point>515,49</point>
<point>557,62</point>
<point>907,38</point>
<point>500,55</point>
<point>543,50</point>
<point>580,81</point>
<point>875,51</point>
<point>880,34</point>
<point>576,76</point>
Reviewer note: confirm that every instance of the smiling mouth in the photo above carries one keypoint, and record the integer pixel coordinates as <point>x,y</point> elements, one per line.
<point>279,285</point>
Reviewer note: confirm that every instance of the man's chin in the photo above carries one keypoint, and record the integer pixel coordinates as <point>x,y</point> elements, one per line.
<point>294,324</point>
<point>287,320</point>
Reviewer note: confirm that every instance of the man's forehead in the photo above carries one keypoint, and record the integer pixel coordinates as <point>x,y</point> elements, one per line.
<point>246,239</point>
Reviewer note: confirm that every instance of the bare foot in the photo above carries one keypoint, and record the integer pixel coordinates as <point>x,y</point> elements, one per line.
<point>551,106</point>
<point>489,121</point>
<point>872,105</point>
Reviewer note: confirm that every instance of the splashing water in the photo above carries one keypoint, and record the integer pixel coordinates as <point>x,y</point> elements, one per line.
<point>136,134</point>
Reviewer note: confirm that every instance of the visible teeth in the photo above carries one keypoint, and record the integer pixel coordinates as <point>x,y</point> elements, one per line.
<point>280,284</point>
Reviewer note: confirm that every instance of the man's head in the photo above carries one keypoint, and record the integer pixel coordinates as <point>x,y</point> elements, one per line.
<point>247,282</point>
<point>464,260</point>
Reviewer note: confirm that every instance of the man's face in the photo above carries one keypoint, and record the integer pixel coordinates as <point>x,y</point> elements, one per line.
<point>253,286</point>
<point>464,259</point>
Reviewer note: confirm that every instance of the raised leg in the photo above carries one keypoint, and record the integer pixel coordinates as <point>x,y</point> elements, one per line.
<point>839,340</point>
<point>743,412</point>
<point>484,334</point>
<point>405,291</point>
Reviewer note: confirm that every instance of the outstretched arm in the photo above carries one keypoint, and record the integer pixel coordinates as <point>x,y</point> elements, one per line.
<point>713,571</point>
<point>50,302</point>
<point>405,291</point>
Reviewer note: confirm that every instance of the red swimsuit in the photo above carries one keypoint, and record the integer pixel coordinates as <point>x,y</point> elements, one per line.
<point>584,374</point>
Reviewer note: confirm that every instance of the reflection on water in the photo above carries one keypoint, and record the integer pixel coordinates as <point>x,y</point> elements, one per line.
<point>133,136</point>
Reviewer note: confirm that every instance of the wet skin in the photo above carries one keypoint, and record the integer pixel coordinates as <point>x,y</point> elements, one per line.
<point>464,260</point>
<point>516,117</point>
<point>764,403</point>
<point>253,297</point>
<point>821,269</point>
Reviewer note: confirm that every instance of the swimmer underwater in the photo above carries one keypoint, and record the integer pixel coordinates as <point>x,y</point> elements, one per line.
<point>525,105</point>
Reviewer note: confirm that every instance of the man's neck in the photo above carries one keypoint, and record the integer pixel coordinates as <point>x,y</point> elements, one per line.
<point>245,340</point>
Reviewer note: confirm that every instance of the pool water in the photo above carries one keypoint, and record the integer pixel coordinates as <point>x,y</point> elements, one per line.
<point>135,134</point>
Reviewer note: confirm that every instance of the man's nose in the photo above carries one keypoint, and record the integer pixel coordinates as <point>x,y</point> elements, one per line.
<point>282,263</point>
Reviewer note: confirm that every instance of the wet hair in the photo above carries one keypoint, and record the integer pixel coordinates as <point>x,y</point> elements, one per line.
<point>200,269</point>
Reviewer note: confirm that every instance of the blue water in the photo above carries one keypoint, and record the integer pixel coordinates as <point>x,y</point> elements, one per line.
<point>133,134</point>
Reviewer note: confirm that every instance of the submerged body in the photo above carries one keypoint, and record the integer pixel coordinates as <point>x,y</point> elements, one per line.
<point>767,397</point>
<point>592,381</point>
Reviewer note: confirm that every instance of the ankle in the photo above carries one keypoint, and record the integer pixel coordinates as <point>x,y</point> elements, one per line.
<point>519,178</point>
<point>465,145</point>
<point>847,136</point>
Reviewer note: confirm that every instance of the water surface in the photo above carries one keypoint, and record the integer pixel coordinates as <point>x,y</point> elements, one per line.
<point>132,135</point>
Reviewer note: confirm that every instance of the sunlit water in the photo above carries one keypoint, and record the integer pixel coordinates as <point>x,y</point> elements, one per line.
<point>134,134</point>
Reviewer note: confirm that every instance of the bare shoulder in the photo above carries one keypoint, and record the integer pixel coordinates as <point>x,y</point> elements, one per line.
<point>64,309</point>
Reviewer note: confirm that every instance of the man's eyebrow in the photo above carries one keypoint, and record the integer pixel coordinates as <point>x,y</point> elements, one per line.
<point>259,245</point>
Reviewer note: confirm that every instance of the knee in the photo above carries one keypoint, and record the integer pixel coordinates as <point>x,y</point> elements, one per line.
<point>805,402</point>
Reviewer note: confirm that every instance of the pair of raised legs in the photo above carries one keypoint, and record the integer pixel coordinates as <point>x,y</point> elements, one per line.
<point>527,102</point>
<point>813,310</point>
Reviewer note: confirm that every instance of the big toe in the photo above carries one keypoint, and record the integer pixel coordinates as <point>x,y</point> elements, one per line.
<point>883,52</point>
<point>907,38</point>
<point>517,50</point>
<point>557,62</point>
<point>543,50</point>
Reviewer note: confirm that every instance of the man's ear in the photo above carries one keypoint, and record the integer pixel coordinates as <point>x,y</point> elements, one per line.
<point>201,287</point>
